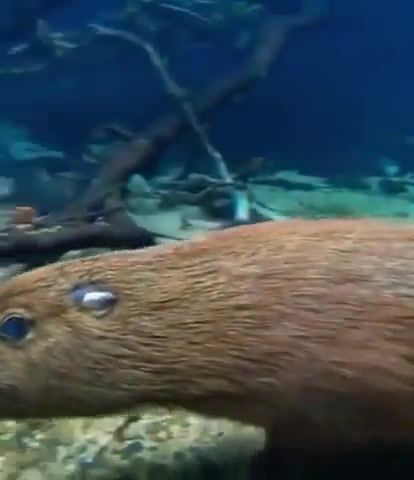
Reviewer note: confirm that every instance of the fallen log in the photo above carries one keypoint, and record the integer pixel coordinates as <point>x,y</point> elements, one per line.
<point>44,245</point>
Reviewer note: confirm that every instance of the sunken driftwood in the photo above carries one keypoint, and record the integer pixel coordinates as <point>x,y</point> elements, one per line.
<point>151,143</point>
<point>41,245</point>
<point>117,230</point>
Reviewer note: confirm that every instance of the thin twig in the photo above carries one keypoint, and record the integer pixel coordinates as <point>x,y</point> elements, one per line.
<point>174,90</point>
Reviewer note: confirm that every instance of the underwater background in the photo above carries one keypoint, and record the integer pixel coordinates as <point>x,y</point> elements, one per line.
<point>151,121</point>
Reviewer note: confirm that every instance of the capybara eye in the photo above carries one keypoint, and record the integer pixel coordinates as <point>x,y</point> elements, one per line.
<point>96,298</point>
<point>15,327</point>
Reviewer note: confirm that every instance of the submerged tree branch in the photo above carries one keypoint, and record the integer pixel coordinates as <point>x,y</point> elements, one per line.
<point>118,230</point>
<point>36,247</point>
<point>178,94</point>
<point>150,143</point>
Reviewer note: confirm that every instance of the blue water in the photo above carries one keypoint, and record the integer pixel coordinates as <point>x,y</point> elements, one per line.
<point>338,101</point>
<point>337,97</point>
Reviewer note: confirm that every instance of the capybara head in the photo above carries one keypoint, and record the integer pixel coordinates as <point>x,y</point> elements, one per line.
<point>70,335</point>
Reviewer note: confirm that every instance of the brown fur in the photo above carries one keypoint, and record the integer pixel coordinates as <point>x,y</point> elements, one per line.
<point>303,327</point>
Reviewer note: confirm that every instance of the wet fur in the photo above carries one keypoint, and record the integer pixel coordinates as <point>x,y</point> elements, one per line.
<point>305,328</point>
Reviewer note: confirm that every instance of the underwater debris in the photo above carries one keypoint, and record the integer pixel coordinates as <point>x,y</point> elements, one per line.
<point>56,234</point>
<point>47,243</point>
<point>147,145</point>
<point>79,226</point>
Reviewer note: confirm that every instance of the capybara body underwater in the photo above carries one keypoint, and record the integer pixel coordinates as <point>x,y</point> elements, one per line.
<point>305,328</point>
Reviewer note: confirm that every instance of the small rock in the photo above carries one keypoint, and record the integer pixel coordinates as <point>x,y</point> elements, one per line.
<point>137,185</point>
<point>141,196</point>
